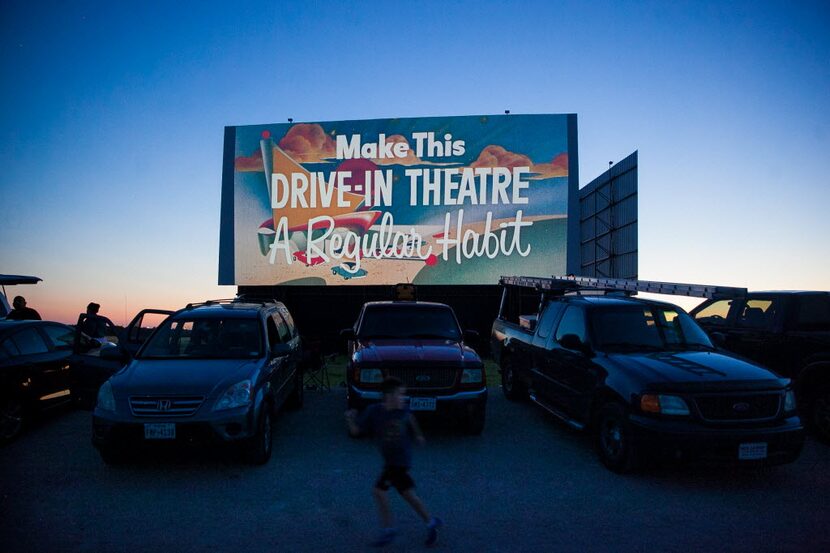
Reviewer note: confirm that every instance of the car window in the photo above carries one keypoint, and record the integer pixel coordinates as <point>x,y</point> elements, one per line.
<point>549,315</point>
<point>205,338</point>
<point>813,312</point>
<point>282,328</point>
<point>715,313</point>
<point>271,329</point>
<point>29,342</point>
<point>757,313</point>
<point>8,349</point>
<point>62,337</point>
<point>573,322</point>
<point>409,321</point>
<point>626,328</point>
<point>290,321</point>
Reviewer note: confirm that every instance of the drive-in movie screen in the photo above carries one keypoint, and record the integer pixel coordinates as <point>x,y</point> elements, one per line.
<point>435,200</point>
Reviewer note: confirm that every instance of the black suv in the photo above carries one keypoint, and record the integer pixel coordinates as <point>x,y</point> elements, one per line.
<point>211,372</point>
<point>422,344</point>
<point>789,332</point>
<point>645,378</point>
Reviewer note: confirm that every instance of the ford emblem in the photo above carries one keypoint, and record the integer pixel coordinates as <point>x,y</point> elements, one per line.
<point>422,378</point>
<point>741,407</point>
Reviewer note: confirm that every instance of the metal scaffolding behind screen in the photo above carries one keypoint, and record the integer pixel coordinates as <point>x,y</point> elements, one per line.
<point>608,222</point>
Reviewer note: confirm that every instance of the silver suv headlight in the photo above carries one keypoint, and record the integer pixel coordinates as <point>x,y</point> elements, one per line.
<point>237,395</point>
<point>106,401</point>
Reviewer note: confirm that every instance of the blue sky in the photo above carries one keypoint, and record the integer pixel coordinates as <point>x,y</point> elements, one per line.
<point>113,114</point>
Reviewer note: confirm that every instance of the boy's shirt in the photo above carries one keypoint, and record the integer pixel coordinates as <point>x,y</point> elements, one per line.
<point>393,432</point>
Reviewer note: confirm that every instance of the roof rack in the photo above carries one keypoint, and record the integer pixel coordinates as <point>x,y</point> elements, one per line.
<point>562,284</point>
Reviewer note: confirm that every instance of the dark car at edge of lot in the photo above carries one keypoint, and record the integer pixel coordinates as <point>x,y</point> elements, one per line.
<point>420,343</point>
<point>216,372</point>
<point>647,381</point>
<point>787,331</point>
<point>34,372</point>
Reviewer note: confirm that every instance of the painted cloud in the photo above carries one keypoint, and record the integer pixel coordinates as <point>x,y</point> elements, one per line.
<point>250,163</point>
<point>308,143</point>
<point>497,156</point>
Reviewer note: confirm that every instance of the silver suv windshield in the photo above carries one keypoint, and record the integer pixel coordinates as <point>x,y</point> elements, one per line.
<point>646,328</point>
<point>205,338</point>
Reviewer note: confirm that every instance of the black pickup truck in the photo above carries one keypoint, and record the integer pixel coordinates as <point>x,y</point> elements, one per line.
<point>789,332</point>
<point>645,379</point>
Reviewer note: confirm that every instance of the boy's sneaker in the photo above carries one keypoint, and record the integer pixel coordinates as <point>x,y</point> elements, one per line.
<point>385,538</point>
<point>432,531</point>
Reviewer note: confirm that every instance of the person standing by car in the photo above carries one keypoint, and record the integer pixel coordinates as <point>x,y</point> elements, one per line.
<point>394,426</point>
<point>92,324</point>
<point>21,312</point>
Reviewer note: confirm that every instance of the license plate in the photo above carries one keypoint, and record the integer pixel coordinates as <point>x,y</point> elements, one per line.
<point>422,404</point>
<point>160,431</point>
<point>752,451</point>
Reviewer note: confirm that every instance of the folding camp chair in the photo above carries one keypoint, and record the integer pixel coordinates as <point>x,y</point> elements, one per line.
<point>315,368</point>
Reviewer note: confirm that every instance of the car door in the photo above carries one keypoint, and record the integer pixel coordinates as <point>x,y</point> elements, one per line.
<point>41,371</point>
<point>90,370</point>
<point>752,332</point>
<point>571,372</point>
<point>141,327</point>
<point>540,357</point>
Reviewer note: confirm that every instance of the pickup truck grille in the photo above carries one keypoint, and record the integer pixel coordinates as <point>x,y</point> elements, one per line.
<point>164,406</point>
<point>424,377</point>
<point>743,407</point>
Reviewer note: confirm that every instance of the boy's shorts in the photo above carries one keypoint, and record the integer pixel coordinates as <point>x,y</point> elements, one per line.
<point>397,477</point>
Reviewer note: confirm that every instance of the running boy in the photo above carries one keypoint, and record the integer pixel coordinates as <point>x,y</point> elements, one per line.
<point>393,426</point>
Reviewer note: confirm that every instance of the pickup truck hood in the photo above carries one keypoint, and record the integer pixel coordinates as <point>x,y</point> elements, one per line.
<point>696,371</point>
<point>413,350</point>
<point>181,376</point>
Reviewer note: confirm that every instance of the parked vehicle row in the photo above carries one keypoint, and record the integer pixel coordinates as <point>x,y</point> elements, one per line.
<point>642,376</point>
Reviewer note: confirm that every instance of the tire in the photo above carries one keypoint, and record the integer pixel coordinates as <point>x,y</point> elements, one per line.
<point>613,439</point>
<point>12,418</point>
<point>297,396</point>
<point>818,413</point>
<point>259,448</point>
<point>474,421</point>
<point>513,389</point>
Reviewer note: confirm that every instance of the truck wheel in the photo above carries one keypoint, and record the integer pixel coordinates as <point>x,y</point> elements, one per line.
<point>613,439</point>
<point>819,414</point>
<point>259,449</point>
<point>295,400</point>
<point>513,388</point>
<point>12,418</point>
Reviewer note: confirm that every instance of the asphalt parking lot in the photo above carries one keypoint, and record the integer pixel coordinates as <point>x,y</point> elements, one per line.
<point>526,484</point>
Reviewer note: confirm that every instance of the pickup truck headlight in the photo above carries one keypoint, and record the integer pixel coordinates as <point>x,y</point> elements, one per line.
<point>106,401</point>
<point>471,376</point>
<point>236,396</point>
<point>789,401</point>
<point>371,376</point>
<point>663,404</point>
